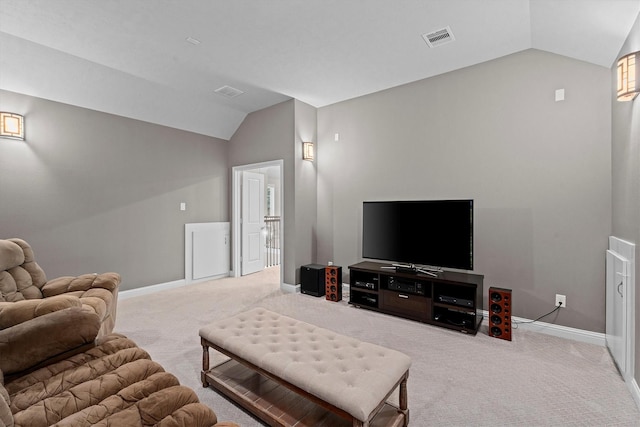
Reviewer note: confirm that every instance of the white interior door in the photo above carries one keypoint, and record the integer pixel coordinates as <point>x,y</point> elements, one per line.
<point>616,322</point>
<point>253,237</point>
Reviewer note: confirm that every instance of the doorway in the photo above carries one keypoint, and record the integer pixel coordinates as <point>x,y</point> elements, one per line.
<point>270,194</point>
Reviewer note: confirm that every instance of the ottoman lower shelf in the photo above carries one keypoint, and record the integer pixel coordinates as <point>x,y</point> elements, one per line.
<point>276,404</point>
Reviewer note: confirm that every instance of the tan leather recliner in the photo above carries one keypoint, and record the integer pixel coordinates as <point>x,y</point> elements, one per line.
<point>25,292</point>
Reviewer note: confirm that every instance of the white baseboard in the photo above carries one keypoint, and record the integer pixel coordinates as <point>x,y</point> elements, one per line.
<point>556,330</point>
<point>290,289</point>
<point>150,289</point>
<point>122,295</point>
<point>632,384</point>
<point>146,290</point>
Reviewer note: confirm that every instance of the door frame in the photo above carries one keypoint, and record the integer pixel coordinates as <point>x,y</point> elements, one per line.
<point>236,212</point>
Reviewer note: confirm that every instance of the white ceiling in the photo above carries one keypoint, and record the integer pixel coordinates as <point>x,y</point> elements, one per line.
<point>131,57</point>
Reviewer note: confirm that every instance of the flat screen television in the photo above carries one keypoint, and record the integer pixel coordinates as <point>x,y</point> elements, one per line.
<point>437,233</point>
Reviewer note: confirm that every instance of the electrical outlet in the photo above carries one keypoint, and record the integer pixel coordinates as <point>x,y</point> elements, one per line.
<point>561,299</point>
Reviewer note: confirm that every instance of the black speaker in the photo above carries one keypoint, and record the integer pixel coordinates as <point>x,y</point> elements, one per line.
<point>333,283</point>
<point>312,280</point>
<point>500,313</point>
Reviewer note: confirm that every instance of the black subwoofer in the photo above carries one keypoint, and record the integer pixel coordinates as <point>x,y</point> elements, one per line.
<point>500,313</point>
<point>312,279</point>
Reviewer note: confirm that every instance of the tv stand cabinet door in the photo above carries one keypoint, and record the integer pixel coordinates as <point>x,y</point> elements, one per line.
<point>406,305</point>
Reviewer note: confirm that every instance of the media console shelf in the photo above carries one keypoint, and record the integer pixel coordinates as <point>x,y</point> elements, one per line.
<point>452,300</point>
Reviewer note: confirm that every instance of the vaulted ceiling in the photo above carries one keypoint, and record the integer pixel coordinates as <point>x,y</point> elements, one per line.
<point>163,60</point>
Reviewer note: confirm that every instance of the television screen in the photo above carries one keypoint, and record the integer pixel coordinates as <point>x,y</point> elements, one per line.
<point>437,233</point>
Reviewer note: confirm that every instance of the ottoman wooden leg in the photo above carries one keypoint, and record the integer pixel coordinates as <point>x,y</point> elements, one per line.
<point>205,363</point>
<point>404,405</point>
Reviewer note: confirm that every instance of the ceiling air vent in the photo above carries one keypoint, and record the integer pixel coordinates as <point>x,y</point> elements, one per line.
<point>228,91</point>
<point>439,37</point>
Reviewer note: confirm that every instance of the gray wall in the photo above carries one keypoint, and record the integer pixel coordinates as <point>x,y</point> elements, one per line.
<point>626,175</point>
<point>267,135</point>
<point>276,133</point>
<point>539,171</point>
<point>306,206</point>
<point>94,192</point>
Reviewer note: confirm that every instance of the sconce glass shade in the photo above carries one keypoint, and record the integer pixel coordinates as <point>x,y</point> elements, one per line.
<point>307,151</point>
<point>628,77</point>
<point>11,125</point>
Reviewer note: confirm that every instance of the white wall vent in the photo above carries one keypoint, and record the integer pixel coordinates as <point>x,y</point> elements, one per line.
<point>439,37</point>
<point>228,91</point>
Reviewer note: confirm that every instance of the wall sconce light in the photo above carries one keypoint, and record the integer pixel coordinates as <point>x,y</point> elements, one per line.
<point>628,77</point>
<point>11,125</point>
<point>307,151</point>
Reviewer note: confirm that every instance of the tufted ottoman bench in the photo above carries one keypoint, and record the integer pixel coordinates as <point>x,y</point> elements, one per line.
<point>288,372</point>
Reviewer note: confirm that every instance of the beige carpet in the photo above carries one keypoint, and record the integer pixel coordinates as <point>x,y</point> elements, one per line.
<point>455,379</point>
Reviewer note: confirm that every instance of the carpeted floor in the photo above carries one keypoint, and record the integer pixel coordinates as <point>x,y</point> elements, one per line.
<point>455,379</point>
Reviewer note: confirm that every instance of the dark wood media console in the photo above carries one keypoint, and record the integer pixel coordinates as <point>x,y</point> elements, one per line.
<point>451,300</point>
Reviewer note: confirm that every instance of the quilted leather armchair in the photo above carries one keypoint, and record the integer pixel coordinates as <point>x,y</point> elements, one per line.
<point>54,372</point>
<point>25,292</point>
